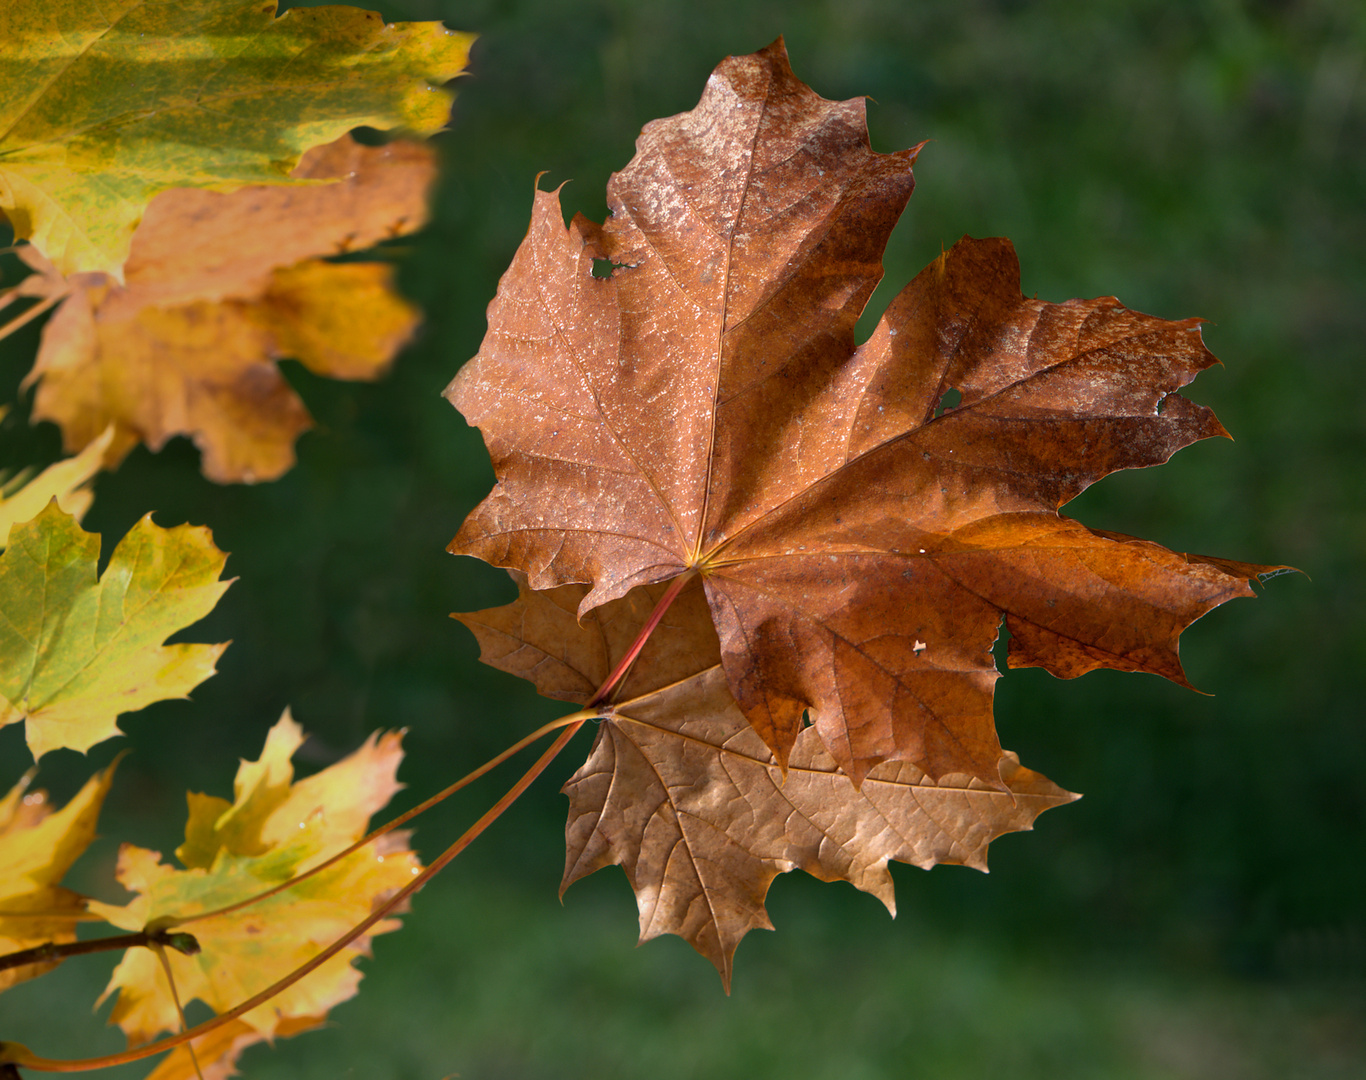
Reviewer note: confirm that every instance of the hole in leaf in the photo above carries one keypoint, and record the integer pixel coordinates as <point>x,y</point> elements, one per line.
<point>368,136</point>
<point>952,396</point>
<point>602,268</point>
<point>1000,648</point>
<point>806,718</point>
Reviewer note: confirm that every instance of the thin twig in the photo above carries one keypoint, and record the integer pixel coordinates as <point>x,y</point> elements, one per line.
<point>13,1053</point>
<point>468,778</point>
<point>54,952</point>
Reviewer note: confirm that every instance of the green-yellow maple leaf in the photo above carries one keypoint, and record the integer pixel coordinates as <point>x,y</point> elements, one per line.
<point>102,105</point>
<point>273,830</point>
<point>76,651</point>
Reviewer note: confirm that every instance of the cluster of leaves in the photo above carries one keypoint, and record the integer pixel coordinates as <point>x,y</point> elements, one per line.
<point>216,288</point>
<point>182,173</point>
<point>244,935</point>
<point>769,561</point>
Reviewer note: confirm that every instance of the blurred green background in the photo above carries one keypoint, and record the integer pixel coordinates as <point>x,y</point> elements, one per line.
<point>1201,913</point>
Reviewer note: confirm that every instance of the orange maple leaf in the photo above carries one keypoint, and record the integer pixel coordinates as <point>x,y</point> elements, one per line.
<point>705,409</point>
<point>219,286</point>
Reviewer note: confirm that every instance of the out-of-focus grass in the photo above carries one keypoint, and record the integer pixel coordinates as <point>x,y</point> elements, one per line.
<point>494,984</point>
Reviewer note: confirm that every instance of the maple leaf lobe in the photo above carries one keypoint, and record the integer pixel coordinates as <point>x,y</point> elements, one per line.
<point>624,375</point>
<point>38,845</point>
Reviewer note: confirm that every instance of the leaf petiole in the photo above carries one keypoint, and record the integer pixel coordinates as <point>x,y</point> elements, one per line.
<point>617,675</point>
<point>402,819</point>
<point>15,1054</point>
<point>623,667</point>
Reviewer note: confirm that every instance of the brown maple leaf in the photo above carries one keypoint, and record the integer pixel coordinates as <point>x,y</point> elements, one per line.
<point>682,793</point>
<point>706,409</point>
<point>219,286</point>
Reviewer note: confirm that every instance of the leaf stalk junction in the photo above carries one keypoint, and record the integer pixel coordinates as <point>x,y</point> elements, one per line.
<point>14,1056</point>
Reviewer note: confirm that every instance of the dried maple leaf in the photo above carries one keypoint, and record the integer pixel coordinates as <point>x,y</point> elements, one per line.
<point>76,651</point>
<point>271,831</point>
<point>218,286</point>
<point>37,847</point>
<point>105,104</point>
<point>705,409</point>
<point>683,794</point>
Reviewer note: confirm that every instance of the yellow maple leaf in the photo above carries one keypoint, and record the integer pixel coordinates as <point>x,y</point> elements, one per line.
<point>220,286</point>
<point>23,496</point>
<point>272,830</point>
<point>104,105</point>
<point>38,844</point>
